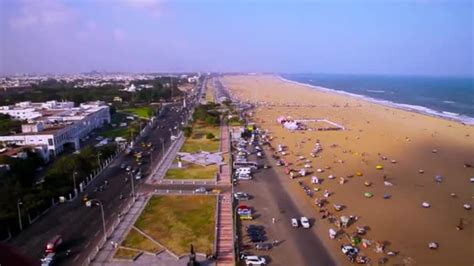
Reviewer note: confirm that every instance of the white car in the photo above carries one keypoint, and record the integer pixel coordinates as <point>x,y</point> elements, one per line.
<point>200,190</point>
<point>254,260</point>
<point>304,222</point>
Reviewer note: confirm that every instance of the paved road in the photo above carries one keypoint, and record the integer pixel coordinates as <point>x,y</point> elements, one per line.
<point>272,199</point>
<point>81,227</point>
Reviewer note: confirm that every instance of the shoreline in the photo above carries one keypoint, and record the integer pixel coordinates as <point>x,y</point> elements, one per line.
<point>463,119</point>
<point>376,135</point>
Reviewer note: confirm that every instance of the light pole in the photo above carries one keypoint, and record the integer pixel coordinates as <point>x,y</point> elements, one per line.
<point>99,203</point>
<point>98,158</point>
<point>74,181</point>
<point>18,203</point>
<point>132,184</point>
<point>162,146</point>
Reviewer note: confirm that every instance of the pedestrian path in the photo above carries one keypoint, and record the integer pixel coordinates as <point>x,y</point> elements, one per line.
<point>127,220</point>
<point>225,232</point>
<point>224,177</point>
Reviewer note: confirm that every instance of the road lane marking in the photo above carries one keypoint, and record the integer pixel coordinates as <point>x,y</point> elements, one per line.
<point>88,243</point>
<point>75,258</point>
<point>96,233</point>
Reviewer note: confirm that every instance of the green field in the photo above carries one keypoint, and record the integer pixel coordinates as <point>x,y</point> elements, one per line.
<point>142,112</point>
<point>115,132</point>
<point>123,253</point>
<point>179,221</point>
<point>198,142</point>
<point>192,171</point>
<point>136,240</point>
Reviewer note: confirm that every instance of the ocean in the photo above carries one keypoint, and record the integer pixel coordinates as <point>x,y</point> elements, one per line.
<point>447,97</point>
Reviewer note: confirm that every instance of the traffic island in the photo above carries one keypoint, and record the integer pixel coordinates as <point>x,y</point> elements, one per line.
<point>200,138</point>
<point>192,171</point>
<point>176,222</point>
<point>136,240</point>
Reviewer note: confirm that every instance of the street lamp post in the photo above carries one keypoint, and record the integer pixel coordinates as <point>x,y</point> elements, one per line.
<point>132,184</point>
<point>98,158</point>
<point>162,146</point>
<point>99,203</point>
<point>18,203</point>
<point>74,181</point>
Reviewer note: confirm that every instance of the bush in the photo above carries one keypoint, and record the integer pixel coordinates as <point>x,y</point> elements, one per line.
<point>187,131</point>
<point>210,136</point>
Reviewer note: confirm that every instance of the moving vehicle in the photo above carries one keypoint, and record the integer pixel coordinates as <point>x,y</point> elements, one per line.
<point>138,176</point>
<point>122,166</point>
<point>53,244</point>
<point>200,190</point>
<point>129,168</point>
<point>254,260</point>
<point>48,259</point>
<point>243,170</point>
<point>305,222</point>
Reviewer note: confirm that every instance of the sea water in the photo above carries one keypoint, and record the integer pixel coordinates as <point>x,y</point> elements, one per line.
<point>447,97</point>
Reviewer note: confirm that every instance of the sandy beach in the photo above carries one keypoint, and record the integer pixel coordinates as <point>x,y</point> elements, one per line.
<point>376,135</point>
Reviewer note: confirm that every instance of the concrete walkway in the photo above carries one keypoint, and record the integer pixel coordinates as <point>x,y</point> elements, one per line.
<point>225,232</point>
<point>224,177</point>
<point>107,252</point>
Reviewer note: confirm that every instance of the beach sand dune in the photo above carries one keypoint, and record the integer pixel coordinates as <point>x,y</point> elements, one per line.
<point>376,135</point>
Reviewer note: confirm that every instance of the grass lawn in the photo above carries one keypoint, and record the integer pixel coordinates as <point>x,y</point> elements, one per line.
<point>125,254</point>
<point>136,240</point>
<point>179,221</point>
<point>115,132</point>
<point>198,141</point>
<point>143,111</point>
<point>192,171</point>
<point>209,91</point>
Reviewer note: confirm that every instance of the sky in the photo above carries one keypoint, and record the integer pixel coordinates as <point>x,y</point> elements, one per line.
<point>404,37</point>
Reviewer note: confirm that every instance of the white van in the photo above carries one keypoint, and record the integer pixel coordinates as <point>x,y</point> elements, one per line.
<point>294,223</point>
<point>243,170</point>
<point>244,177</point>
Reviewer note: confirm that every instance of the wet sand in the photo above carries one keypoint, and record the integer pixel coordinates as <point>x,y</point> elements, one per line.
<point>374,131</point>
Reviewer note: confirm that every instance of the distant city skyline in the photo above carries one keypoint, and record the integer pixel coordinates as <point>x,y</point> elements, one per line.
<point>409,37</point>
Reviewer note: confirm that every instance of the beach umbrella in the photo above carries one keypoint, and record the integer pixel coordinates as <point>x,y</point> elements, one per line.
<point>425,204</point>
<point>368,195</point>
<point>358,174</point>
<point>367,183</point>
<point>467,206</point>
<point>331,177</point>
<point>438,179</point>
<point>379,167</point>
<point>421,171</point>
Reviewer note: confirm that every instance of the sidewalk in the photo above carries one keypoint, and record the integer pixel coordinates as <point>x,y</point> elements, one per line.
<point>224,177</point>
<point>107,252</point>
<point>225,234</point>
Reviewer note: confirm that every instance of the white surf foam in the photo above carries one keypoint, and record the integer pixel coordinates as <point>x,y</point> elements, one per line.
<point>414,108</point>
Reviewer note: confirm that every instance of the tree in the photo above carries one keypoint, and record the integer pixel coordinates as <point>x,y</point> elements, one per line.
<point>187,131</point>
<point>210,136</point>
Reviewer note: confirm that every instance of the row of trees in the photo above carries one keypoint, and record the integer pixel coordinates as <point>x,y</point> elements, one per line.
<point>8,125</point>
<point>19,183</point>
<point>60,90</point>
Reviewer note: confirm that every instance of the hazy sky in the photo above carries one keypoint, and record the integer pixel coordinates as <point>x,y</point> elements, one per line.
<point>431,37</point>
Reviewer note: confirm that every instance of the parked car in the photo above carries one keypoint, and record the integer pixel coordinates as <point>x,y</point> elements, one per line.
<point>263,246</point>
<point>254,260</point>
<point>129,168</point>
<point>122,166</point>
<point>294,223</point>
<point>305,222</point>
<point>244,177</point>
<point>241,196</point>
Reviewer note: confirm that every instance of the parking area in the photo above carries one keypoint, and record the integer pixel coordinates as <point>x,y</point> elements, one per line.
<point>272,204</point>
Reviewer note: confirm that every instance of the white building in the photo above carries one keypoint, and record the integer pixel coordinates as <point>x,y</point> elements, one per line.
<point>52,125</point>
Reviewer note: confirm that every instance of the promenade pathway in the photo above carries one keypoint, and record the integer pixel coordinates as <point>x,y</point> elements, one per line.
<point>224,177</point>
<point>225,232</point>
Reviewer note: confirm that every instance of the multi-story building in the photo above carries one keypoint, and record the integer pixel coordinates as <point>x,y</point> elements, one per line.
<point>50,126</point>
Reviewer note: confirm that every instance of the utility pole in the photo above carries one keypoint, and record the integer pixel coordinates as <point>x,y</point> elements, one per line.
<point>18,203</point>
<point>74,181</point>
